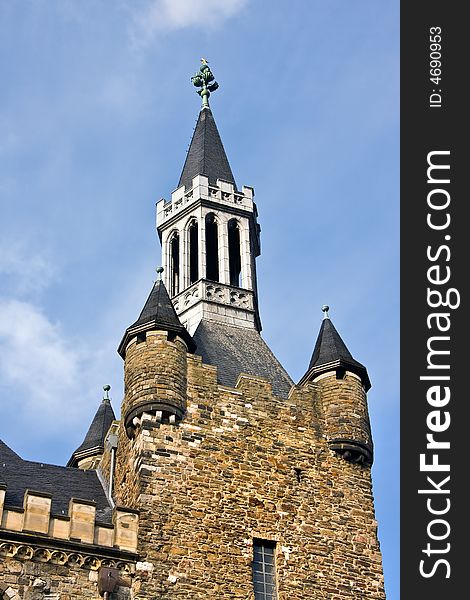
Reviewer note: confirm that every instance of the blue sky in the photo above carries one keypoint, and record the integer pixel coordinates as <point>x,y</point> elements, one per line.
<point>96,114</point>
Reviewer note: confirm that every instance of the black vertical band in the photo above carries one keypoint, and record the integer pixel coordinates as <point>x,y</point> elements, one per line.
<point>434,292</point>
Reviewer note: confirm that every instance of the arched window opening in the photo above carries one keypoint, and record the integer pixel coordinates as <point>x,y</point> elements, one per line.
<point>212,249</point>
<point>234,256</point>
<point>175,264</point>
<point>193,253</point>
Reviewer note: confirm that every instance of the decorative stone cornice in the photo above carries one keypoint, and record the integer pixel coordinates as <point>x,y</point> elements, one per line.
<point>222,196</point>
<point>43,549</point>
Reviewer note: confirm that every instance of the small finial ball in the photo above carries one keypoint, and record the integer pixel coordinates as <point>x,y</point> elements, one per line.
<point>160,270</point>
<point>106,388</point>
<point>325,308</point>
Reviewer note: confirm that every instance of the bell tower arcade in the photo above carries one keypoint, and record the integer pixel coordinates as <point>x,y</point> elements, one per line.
<point>209,231</point>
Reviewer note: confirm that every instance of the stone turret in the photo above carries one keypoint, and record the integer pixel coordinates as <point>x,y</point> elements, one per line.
<point>154,350</point>
<point>343,383</point>
<point>88,454</point>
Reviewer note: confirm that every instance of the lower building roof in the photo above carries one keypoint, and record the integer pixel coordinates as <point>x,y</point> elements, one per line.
<point>62,483</point>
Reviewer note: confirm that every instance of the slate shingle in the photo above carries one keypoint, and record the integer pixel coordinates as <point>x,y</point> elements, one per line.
<point>236,350</point>
<point>330,349</point>
<point>63,483</point>
<point>94,439</point>
<point>206,154</point>
<point>158,313</point>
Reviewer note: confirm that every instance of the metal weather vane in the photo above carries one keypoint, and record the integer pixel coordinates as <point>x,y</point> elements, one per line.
<point>204,79</point>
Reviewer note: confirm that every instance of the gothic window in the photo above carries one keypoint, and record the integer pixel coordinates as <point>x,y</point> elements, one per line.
<point>235,265</point>
<point>264,570</point>
<point>175,264</point>
<point>212,248</point>
<point>193,252</point>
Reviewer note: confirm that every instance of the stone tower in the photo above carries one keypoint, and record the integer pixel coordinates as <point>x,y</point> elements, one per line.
<point>222,479</point>
<point>210,236</point>
<point>342,383</point>
<point>247,485</point>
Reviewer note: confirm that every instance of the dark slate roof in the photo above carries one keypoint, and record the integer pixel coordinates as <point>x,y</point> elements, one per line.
<point>158,307</point>
<point>331,351</point>
<point>206,154</point>
<point>158,313</point>
<point>236,350</point>
<point>6,453</point>
<point>63,483</point>
<point>94,439</point>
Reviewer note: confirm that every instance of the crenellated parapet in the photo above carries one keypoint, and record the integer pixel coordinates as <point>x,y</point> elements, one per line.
<point>33,526</point>
<point>223,193</point>
<point>243,464</point>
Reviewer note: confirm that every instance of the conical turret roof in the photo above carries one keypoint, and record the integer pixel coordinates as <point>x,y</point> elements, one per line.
<point>330,352</point>
<point>94,439</point>
<point>206,154</point>
<point>158,313</point>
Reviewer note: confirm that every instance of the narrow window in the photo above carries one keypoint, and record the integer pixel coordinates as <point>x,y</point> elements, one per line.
<point>264,571</point>
<point>175,264</point>
<point>193,253</point>
<point>212,249</point>
<point>234,258</point>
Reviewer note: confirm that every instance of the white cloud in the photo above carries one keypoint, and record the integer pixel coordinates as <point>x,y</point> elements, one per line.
<point>158,16</point>
<point>35,358</point>
<point>24,270</point>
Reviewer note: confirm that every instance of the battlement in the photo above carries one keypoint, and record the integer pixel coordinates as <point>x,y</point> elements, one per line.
<point>241,465</point>
<point>79,525</point>
<point>224,193</point>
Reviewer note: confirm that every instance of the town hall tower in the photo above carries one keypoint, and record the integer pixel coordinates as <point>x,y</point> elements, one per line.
<point>222,479</point>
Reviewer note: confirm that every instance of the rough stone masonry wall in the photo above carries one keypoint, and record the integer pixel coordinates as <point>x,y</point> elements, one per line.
<point>59,557</point>
<point>344,407</point>
<point>155,369</point>
<point>27,580</point>
<point>244,464</point>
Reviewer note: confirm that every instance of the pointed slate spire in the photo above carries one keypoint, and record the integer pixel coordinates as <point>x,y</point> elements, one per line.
<point>158,313</point>
<point>206,154</point>
<point>93,444</point>
<point>331,353</point>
